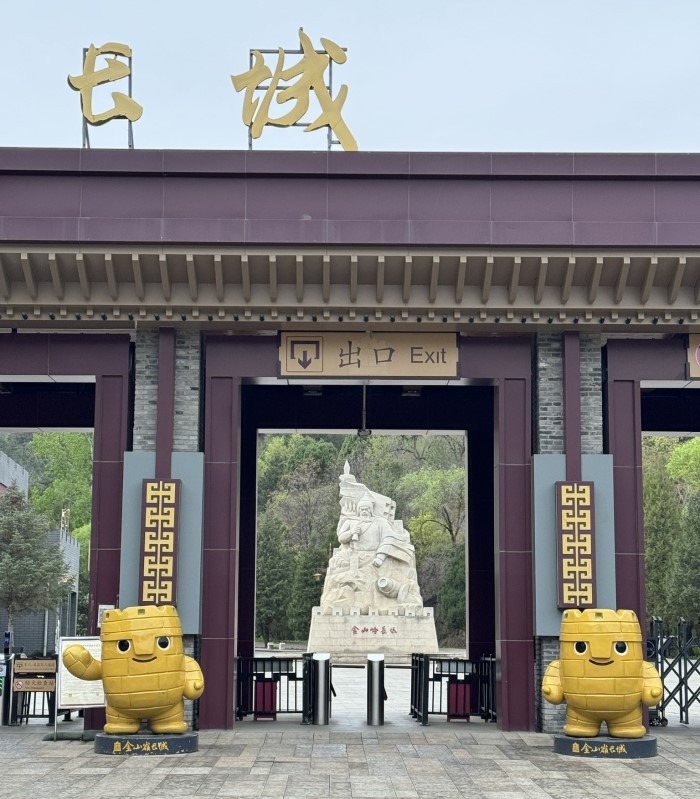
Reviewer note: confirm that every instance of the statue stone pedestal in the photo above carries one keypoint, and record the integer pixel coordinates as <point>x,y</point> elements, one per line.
<point>351,637</point>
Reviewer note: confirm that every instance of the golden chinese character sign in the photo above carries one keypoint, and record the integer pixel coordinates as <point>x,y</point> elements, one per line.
<point>125,107</point>
<point>161,516</point>
<point>694,355</point>
<point>309,72</point>
<point>368,355</point>
<point>575,545</point>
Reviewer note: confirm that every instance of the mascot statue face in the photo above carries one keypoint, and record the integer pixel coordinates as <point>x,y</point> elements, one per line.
<point>601,655</point>
<point>142,654</point>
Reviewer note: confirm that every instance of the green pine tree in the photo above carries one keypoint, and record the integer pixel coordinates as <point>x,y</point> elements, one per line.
<point>33,573</point>
<point>82,536</point>
<point>274,567</point>
<point>452,600</point>
<point>684,578</point>
<point>662,521</point>
<point>307,587</point>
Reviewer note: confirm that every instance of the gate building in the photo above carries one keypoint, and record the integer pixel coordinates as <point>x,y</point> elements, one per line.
<point>179,301</point>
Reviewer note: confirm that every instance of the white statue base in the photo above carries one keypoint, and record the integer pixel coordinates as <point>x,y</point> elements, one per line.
<point>350,637</point>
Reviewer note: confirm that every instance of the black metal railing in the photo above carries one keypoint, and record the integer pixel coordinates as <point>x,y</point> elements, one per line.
<point>676,659</point>
<point>454,687</point>
<point>268,686</point>
<point>35,705</point>
<point>486,669</point>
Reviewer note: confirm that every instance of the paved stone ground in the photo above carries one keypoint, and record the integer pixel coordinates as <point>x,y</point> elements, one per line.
<point>348,759</point>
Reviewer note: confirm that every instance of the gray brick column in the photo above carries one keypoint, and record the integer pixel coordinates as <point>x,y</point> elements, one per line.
<point>188,358</point>
<point>186,432</point>
<point>591,395</point>
<point>549,440</point>
<point>145,390</point>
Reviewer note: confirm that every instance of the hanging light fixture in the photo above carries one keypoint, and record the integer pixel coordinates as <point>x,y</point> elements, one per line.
<point>363,432</point>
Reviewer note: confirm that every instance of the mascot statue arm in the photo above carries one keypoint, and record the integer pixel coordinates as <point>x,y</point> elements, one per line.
<point>653,687</point>
<point>81,664</point>
<point>551,684</point>
<point>194,679</point>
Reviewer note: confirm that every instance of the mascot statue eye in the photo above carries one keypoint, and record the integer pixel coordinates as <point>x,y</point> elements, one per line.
<point>163,642</point>
<point>580,647</point>
<point>621,647</point>
<point>124,645</point>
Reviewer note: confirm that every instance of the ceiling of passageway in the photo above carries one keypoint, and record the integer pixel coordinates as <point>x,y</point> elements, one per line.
<point>671,409</point>
<point>32,406</point>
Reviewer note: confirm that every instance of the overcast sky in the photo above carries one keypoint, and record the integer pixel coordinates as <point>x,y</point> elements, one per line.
<point>447,75</point>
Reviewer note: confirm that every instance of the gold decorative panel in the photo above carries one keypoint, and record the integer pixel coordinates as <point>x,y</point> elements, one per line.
<point>575,545</point>
<point>160,522</point>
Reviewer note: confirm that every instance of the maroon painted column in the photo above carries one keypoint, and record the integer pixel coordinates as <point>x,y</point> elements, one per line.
<point>110,440</point>
<point>514,603</point>
<point>228,360</point>
<point>109,445</point>
<point>220,555</point>
<point>629,362</point>
<point>624,406</point>
<point>508,362</point>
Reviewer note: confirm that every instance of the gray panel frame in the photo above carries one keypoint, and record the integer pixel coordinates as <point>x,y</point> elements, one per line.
<point>189,468</point>
<point>546,471</point>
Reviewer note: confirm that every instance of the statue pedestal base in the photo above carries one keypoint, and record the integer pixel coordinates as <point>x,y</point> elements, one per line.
<point>350,637</point>
<point>146,744</point>
<point>604,746</point>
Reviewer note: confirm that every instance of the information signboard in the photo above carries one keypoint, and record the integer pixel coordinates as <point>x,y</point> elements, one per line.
<point>34,666</point>
<point>75,693</point>
<point>33,684</point>
<point>694,355</point>
<point>362,354</point>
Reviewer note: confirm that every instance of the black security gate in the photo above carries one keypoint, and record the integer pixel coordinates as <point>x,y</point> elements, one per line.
<point>677,659</point>
<point>454,687</point>
<point>269,686</point>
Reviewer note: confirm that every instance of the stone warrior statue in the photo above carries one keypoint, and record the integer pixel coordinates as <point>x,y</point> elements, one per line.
<point>375,565</point>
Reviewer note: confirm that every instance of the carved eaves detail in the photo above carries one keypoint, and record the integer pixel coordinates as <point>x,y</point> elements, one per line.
<point>343,286</point>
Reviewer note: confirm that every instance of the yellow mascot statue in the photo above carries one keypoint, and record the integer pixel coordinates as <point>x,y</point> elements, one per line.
<point>601,674</point>
<point>143,669</point>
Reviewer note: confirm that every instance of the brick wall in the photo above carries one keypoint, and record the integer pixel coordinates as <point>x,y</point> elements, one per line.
<point>187,423</point>
<point>188,357</point>
<point>549,395</point>
<point>591,395</point>
<point>550,718</point>
<point>146,390</point>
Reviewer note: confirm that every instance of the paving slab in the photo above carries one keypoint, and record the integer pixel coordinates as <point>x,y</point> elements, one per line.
<point>400,760</point>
